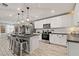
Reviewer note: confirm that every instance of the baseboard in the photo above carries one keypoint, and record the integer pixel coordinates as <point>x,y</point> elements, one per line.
<point>59,45</point>
<point>47,42</point>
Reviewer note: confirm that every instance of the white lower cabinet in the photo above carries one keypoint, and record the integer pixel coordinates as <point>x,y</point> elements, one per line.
<point>58,39</point>
<point>73,49</point>
<point>40,38</point>
<point>34,43</point>
<point>51,38</point>
<point>62,39</point>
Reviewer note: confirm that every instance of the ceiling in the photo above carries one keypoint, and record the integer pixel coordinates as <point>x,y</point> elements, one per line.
<point>37,10</point>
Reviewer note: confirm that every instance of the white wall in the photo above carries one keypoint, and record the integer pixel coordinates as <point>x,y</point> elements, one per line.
<point>9,28</point>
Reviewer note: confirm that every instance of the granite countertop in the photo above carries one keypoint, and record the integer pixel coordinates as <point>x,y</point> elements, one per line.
<point>75,41</point>
<point>24,36</point>
<point>60,33</point>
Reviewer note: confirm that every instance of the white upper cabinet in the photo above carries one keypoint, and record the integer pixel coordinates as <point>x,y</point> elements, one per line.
<point>60,21</point>
<point>67,20</point>
<point>76,15</point>
<point>56,22</point>
<point>39,24</point>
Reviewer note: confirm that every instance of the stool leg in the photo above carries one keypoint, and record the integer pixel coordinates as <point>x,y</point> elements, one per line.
<point>26,47</point>
<point>13,46</point>
<point>21,49</point>
<point>10,44</point>
<point>27,50</point>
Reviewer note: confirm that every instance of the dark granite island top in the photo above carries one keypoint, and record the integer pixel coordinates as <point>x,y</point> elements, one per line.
<point>75,41</point>
<point>24,36</point>
<point>73,38</point>
<point>60,33</point>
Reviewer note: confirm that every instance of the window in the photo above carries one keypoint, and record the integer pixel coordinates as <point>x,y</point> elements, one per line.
<point>9,28</point>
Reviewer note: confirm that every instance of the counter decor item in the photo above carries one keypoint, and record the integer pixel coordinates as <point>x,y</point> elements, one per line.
<point>74,31</point>
<point>74,34</point>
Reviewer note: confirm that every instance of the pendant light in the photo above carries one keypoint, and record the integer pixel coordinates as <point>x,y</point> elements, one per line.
<point>28,18</point>
<point>18,22</point>
<point>27,14</point>
<point>22,20</point>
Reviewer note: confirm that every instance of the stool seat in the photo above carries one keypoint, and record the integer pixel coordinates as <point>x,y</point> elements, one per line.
<point>21,40</point>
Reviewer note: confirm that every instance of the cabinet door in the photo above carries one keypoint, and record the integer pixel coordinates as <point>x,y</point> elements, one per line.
<point>34,43</point>
<point>52,38</point>
<point>56,22</point>
<point>67,20</point>
<point>64,40</point>
<point>38,24</point>
<point>40,37</point>
<point>58,39</point>
<point>61,40</point>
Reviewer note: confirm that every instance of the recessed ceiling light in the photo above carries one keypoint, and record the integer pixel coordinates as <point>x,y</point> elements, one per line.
<point>10,15</point>
<point>27,19</point>
<point>52,11</point>
<point>18,8</point>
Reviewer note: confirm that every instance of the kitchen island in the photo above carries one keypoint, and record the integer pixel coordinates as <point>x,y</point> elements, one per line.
<point>28,42</point>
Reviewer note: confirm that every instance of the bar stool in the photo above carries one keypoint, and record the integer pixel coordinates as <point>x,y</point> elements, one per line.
<point>9,38</point>
<point>21,41</point>
<point>12,43</point>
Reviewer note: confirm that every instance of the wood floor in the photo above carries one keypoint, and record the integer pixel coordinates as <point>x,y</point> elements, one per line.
<point>4,47</point>
<point>45,49</point>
